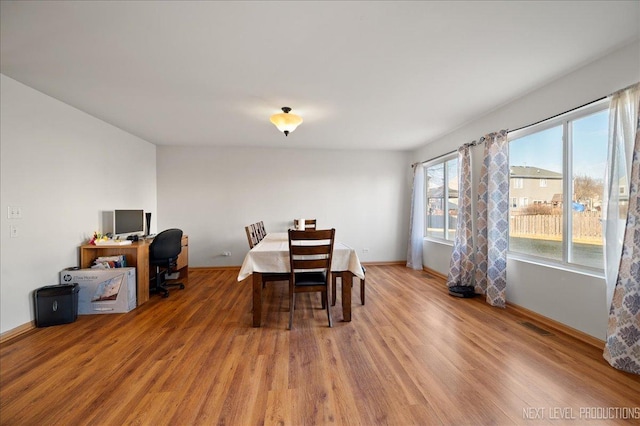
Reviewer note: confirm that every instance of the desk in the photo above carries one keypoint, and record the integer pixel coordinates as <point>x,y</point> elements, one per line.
<point>271,255</point>
<point>137,255</point>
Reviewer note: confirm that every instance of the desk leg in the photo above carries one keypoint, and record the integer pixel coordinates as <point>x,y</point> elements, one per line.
<point>257,298</point>
<point>347,278</point>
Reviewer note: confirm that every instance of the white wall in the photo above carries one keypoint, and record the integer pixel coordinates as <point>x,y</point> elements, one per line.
<point>576,300</point>
<point>213,193</point>
<point>62,167</point>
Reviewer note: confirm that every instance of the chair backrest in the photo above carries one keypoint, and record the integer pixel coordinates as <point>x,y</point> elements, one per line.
<point>311,250</point>
<point>308,223</point>
<point>251,236</point>
<point>255,233</point>
<point>166,245</point>
<point>260,230</point>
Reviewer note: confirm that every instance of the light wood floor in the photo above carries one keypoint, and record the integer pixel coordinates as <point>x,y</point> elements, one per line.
<point>411,356</point>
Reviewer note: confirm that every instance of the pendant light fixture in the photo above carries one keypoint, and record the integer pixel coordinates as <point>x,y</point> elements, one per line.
<point>286,122</point>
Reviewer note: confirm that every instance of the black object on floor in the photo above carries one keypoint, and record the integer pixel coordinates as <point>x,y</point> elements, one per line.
<point>56,304</point>
<point>462,291</point>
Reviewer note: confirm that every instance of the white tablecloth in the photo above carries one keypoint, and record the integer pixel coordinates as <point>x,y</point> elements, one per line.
<point>272,255</point>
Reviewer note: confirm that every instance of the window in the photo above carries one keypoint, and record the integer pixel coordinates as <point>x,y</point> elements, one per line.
<point>560,164</point>
<point>442,198</point>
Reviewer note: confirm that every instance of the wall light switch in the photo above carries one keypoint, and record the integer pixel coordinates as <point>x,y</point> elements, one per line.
<point>13,231</point>
<point>14,212</point>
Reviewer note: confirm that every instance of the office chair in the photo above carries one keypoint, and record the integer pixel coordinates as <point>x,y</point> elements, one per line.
<point>310,259</point>
<point>163,254</point>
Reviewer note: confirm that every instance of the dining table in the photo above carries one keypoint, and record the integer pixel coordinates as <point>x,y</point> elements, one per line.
<point>271,255</point>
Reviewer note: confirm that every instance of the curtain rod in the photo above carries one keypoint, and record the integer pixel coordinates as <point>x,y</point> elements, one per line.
<point>432,159</point>
<point>474,143</point>
<point>557,115</point>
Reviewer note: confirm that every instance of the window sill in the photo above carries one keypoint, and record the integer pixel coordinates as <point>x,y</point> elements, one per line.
<point>438,241</point>
<point>576,269</point>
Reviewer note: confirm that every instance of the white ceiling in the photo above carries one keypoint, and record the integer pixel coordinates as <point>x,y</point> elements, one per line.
<point>362,74</point>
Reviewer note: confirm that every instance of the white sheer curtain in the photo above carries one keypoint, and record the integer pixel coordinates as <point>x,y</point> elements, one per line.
<point>623,123</point>
<point>622,348</point>
<point>416,222</point>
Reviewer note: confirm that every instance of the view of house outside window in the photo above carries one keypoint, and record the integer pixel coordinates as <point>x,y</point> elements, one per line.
<point>556,188</point>
<point>442,184</point>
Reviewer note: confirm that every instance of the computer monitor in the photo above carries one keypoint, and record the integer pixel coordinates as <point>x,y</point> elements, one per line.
<point>128,222</point>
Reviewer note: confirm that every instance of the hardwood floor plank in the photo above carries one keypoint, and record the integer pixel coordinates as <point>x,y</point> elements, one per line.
<point>412,355</point>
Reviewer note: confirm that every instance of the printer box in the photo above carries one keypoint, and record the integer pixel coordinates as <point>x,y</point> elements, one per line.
<point>103,291</point>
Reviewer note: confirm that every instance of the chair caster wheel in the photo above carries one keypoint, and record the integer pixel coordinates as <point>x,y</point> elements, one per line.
<point>181,286</point>
<point>165,295</point>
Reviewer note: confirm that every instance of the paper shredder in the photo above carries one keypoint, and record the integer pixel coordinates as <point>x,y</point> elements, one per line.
<point>56,304</point>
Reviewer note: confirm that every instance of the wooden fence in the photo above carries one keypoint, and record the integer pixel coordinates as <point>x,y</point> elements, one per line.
<point>586,225</point>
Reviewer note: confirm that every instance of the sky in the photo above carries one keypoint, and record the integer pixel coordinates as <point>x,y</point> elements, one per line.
<point>544,149</point>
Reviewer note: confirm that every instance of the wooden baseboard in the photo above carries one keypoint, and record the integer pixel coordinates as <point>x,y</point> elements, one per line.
<point>18,331</point>
<point>389,263</point>
<point>214,268</point>
<point>436,274</point>
<point>557,326</point>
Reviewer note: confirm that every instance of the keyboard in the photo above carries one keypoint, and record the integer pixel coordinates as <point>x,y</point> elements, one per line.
<point>113,242</point>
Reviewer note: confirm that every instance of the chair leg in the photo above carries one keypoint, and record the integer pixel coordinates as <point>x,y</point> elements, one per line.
<point>292,303</point>
<point>362,291</point>
<point>326,299</point>
<point>159,281</point>
<point>333,289</point>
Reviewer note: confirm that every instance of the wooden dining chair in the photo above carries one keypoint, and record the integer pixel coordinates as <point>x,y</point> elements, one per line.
<point>308,224</point>
<point>252,237</point>
<point>333,287</point>
<point>260,231</point>
<point>256,233</point>
<point>310,260</point>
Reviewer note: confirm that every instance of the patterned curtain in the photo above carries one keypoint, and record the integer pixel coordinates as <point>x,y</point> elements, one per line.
<point>461,267</point>
<point>493,220</point>
<point>416,222</point>
<point>622,348</point>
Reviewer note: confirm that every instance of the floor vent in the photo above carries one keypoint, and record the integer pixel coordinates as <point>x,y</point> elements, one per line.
<point>540,331</point>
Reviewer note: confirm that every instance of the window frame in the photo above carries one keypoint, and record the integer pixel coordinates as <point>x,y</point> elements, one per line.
<point>564,120</point>
<point>518,183</point>
<point>444,160</point>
